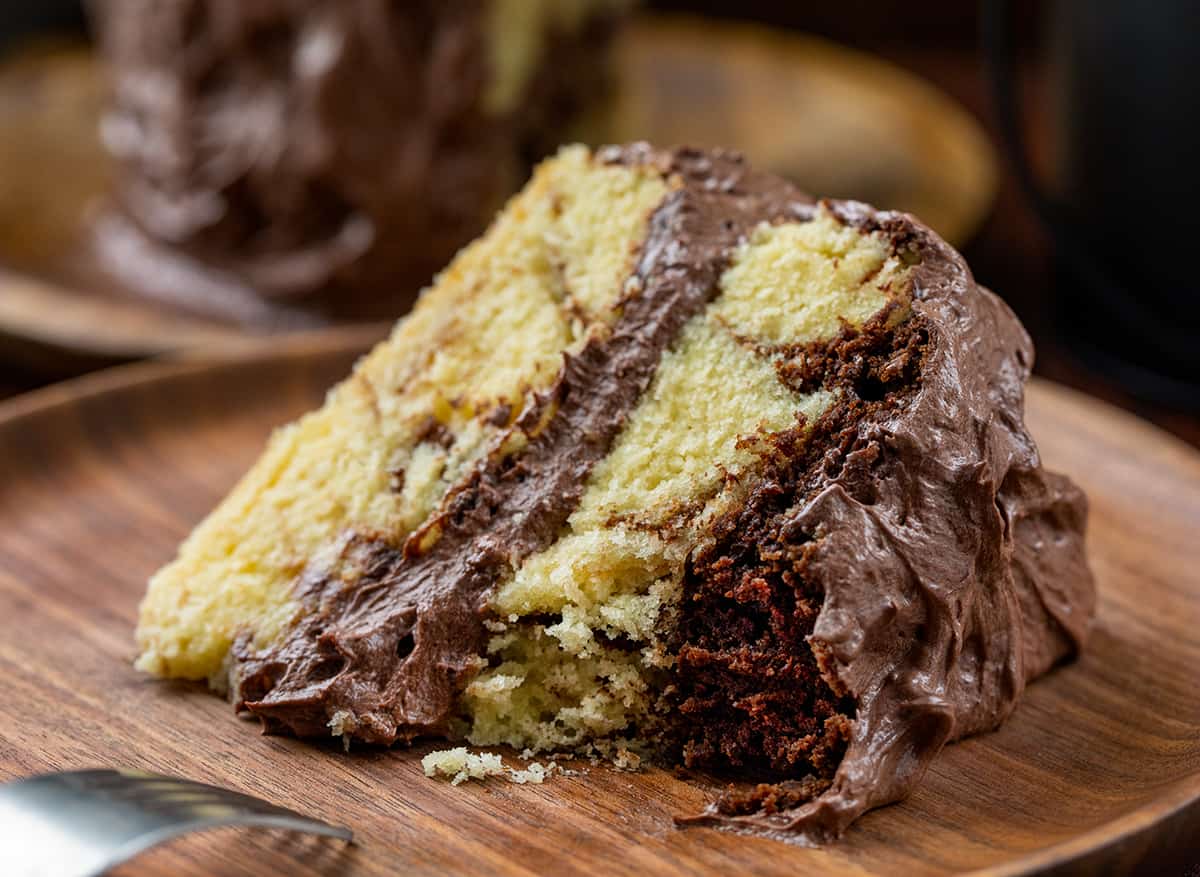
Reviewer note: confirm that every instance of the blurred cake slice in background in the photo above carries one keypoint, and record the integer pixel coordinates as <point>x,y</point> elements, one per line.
<point>287,163</point>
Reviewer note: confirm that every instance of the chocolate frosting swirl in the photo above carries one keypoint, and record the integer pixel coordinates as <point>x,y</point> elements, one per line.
<point>954,581</point>
<point>963,577</point>
<point>388,638</point>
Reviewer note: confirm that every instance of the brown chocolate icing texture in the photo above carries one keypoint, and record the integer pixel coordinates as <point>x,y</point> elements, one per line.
<point>387,639</point>
<point>283,163</point>
<point>950,564</point>
<point>895,579</point>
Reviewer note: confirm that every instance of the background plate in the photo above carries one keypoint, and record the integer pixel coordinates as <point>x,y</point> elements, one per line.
<point>840,122</point>
<point>99,479</point>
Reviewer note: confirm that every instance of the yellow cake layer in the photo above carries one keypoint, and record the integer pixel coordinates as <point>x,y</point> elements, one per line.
<point>491,330</point>
<point>799,282</point>
<point>687,454</point>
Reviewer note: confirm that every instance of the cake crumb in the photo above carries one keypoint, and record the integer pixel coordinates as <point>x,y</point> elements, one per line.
<point>626,759</point>
<point>535,773</point>
<point>343,725</point>
<point>461,765</point>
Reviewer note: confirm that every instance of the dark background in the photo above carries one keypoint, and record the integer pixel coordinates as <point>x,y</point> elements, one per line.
<point>938,40</point>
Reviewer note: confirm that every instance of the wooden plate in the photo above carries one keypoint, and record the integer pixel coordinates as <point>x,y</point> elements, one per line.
<point>840,122</point>
<point>99,479</point>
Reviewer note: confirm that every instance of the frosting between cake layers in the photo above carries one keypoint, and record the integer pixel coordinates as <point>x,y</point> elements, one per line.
<point>950,564</point>
<point>389,650</point>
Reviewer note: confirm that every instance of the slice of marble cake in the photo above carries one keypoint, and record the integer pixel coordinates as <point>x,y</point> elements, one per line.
<point>672,459</point>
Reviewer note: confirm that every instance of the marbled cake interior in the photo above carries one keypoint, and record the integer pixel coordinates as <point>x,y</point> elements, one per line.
<point>675,461</point>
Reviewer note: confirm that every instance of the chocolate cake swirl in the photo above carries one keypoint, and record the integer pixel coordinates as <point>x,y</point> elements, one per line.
<point>870,563</point>
<point>394,648</point>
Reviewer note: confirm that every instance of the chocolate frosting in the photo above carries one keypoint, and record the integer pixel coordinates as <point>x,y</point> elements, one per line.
<point>958,580</point>
<point>962,577</point>
<point>283,162</point>
<point>386,638</point>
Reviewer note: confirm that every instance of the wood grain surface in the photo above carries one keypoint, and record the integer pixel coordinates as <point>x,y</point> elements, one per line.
<point>1099,768</point>
<point>839,122</point>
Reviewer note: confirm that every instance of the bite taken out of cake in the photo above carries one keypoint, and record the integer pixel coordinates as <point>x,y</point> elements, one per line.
<point>673,460</point>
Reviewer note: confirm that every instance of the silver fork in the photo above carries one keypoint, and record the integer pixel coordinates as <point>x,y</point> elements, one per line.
<point>81,823</point>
